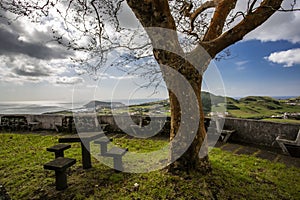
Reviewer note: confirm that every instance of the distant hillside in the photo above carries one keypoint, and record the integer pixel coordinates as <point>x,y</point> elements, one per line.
<point>251,107</point>
<point>207,100</point>
<point>260,107</point>
<point>103,104</point>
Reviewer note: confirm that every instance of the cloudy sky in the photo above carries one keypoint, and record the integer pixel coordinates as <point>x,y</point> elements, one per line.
<point>34,68</point>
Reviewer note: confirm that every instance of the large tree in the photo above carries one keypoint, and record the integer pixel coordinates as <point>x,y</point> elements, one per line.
<point>209,28</point>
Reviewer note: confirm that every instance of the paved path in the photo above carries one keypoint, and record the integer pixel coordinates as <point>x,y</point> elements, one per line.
<point>260,153</point>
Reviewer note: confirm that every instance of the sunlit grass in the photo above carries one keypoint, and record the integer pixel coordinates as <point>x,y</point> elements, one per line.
<point>233,177</point>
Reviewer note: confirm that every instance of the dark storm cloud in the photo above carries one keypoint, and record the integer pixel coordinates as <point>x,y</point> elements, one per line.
<point>32,71</point>
<point>10,45</point>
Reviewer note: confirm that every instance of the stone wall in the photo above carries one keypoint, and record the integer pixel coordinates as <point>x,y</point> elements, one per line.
<point>47,122</point>
<point>259,132</point>
<point>247,131</point>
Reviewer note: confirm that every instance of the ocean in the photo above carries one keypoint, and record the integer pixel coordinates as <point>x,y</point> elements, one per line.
<point>40,107</point>
<point>34,107</point>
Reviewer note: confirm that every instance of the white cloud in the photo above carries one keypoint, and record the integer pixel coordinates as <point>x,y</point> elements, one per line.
<point>288,58</point>
<point>105,76</point>
<point>69,80</point>
<point>281,26</point>
<point>240,63</point>
<point>22,69</point>
<point>80,71</point>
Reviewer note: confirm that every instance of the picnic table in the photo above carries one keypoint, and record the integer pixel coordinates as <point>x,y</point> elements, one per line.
<point>84,139</point>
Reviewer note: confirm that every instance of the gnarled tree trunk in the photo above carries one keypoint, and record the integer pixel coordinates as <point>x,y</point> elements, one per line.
<point>192,158</point>
<point>156,13</point>
<point>187,134</point>
<point>187,117</point>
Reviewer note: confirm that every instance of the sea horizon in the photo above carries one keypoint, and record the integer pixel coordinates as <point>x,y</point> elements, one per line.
<point>40,107</point>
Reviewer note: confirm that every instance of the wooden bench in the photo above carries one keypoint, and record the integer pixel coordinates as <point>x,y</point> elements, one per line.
<point>117,154</point>
<point>288,146</point>
<point>60,165</point>
<point>103,144</point>
<point>59,149</point>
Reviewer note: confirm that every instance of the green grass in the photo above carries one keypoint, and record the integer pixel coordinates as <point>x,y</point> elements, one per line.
<point>259,108</point>
<point>233,177</point>
<point>289,121</point>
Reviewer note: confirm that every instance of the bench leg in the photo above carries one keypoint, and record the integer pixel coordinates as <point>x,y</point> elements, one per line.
<point>61,180</point>
<point>118,164</point>
<point>284,149</point>
<point>226,137</point>
<point>59,154</point>
<point>103,149</point>
<point>86,156</point>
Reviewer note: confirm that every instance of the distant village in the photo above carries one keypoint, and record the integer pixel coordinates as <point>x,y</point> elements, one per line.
<point>286,115</point>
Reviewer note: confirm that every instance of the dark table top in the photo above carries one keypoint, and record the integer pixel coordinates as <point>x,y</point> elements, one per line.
<point>86,136</point>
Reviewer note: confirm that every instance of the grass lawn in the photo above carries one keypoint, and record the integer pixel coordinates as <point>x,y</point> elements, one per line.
<point>290,121</point>
<point>233,177</point>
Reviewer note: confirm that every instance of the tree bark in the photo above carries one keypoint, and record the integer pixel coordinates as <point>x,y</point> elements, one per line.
<point>192,159</point>
<point>187,116</point>
<point>156,13</point>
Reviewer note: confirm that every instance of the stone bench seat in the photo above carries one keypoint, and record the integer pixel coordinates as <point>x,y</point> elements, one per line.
<point>293,149</point>
<point>290,146</point>
<point>221,135</point>
<point>103,144</point>
<point>117,154</point>
<point>59,149</point>
<point>225,134</point>
<point>59,165</point>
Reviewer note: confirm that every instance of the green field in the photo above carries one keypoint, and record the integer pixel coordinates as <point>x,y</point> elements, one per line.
<point>251,107</point>
<point>256,107</point>
<point>233,177</point>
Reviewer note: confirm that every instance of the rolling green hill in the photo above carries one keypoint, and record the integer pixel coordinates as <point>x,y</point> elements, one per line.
<point>251,107</point>
<point>259,107</point>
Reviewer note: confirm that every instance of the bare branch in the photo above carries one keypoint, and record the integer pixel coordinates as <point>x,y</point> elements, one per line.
<point>98,20</point>
<point>251,21</point>
<point>251,7</point>
<point>198,11</point>
<point>218,21</point>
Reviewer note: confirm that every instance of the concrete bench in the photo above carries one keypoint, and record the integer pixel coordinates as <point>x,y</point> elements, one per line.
<point>84,139</point>
<point>288,146</point>
<point>117,154</point>
<point>103,144</point>
<point>60,165</point>
<point>293,150</point>
<point>59,149</point>
<point>225,134</point>
<point>215,131</point>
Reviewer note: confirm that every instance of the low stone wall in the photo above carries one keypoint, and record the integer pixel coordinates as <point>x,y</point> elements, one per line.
<point>259,132</point>
<point>113,127</point>
<point>47,122</point>
<point>247,131</point>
